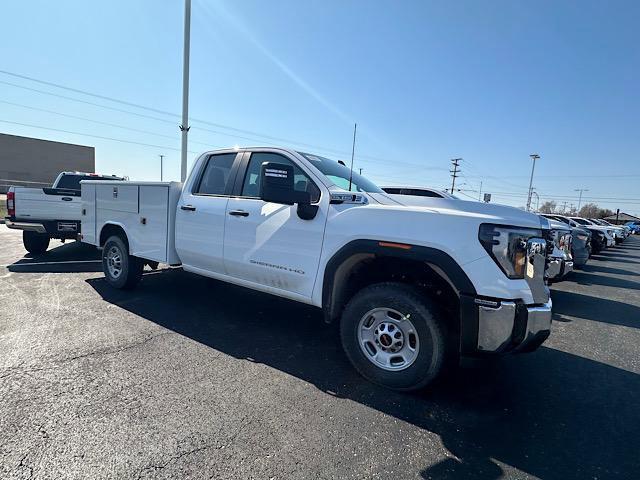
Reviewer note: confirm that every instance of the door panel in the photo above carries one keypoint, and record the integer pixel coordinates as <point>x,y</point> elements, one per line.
<point>272,246</point>
<point>201,214</point>
<point>200,232</point>
<point>267,243</point>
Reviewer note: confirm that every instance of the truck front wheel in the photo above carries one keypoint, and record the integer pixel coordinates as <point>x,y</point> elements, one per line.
<point>121,270</point>
<point>394,336</point>
<point>34,242</point>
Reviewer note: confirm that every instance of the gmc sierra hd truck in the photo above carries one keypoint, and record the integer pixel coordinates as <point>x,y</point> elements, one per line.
<point>413,288</point>
<point>46,213</point>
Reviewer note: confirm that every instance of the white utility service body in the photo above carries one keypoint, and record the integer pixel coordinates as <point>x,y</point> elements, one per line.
<point>146,211</point>
<point>284,222</point>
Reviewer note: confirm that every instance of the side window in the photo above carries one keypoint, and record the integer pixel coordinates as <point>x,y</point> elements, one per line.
<point>215,177</point>
<point>251,184</point>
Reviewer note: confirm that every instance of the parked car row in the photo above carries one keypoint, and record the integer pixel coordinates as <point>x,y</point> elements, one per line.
<point>416,281</point>
<point>588,236</point>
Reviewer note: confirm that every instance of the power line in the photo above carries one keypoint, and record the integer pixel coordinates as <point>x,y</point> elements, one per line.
<point>193,119</point>
<point>92,136</point>
<point>99,122</point>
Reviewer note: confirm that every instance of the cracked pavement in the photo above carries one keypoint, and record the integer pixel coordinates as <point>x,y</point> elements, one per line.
<point>186,377</point>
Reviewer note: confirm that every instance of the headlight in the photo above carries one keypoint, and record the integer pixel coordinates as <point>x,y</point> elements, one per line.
<point>507,246</point>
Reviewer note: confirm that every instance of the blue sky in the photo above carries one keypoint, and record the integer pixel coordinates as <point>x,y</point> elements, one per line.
<point>491,82</point>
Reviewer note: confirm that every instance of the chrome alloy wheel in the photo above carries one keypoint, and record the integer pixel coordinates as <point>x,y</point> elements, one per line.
<point>114,261</point>
<point>388,339</point>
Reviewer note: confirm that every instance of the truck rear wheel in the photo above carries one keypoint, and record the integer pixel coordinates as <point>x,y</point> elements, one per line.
<point>34,242</point>
<point>121,270</point>
<point>394,336</point>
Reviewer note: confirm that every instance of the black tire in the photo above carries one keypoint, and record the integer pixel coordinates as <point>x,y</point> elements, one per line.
<point>130,268</point>
<point>35,243</point>
<point>434,340</point>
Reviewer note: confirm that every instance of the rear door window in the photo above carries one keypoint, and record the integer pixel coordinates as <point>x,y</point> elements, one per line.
<point>215,178</point>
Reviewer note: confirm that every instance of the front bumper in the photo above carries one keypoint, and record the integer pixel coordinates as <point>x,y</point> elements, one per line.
<point>558,268</point>
<point>508,326</point>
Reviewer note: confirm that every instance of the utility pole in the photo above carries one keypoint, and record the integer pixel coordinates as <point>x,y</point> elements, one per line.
<point>454,172</point>
<point>480,192</point>
<point>564,207</point>
<point>580,197</point>
<point>184,128</point>
<point>533,192</point>
<point>161,162</point>
<point>534,157</point>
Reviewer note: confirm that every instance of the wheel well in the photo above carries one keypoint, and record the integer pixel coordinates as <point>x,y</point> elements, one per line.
<point>109,230</point>
<point>364,269</point>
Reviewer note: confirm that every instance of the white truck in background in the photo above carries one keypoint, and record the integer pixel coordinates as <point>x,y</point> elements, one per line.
<point>50,212</point>
<point>413,287</point>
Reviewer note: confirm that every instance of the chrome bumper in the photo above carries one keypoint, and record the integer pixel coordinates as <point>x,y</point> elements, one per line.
<point>512,327</point>
<point>558,268</point>
<point>30,227</point>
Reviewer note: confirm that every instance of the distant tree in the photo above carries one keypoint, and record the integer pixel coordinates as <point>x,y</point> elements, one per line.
<point>571,212</point>
<point>605,212</point>
<point>589,210</point>
<point>548,207</point>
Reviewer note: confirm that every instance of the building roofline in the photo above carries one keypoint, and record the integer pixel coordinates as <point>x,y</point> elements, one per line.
<point>45,140</point>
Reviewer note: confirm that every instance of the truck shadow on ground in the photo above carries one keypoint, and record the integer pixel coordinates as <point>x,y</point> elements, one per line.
<point>70,257</point>
<point>606,281</point>
<point>571,304</point>
<point>550,414</point>
<point>591,268</point>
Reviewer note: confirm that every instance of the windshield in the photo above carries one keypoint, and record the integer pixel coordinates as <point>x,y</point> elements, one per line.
<point>72,181</point>
<point>582,221</point>
<point>339,174</point>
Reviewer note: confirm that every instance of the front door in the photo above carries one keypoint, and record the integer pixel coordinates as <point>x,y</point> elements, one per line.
<point>201,215</point>
<point>267,243</point>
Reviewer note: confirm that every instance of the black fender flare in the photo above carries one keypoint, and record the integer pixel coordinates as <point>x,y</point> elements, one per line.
<point>441,262</point>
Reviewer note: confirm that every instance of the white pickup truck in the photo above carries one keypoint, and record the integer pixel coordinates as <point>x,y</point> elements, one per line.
<point>412,287</point>
<point>46,213</point>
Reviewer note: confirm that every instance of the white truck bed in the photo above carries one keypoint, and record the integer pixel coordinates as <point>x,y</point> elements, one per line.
<point>36,203</point>
<point>146,211</point>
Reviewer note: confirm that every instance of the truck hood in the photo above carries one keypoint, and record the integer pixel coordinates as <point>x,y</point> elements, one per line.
<point>489,213</point>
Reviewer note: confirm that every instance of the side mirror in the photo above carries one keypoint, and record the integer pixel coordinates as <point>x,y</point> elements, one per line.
<point>277,186</point>
<point>276,183</point>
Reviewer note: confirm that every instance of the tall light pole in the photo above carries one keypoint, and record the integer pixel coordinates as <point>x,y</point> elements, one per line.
<point>580,197</point>
<point>534,157</point>
<point>161,162</point>
<point>184,128</point>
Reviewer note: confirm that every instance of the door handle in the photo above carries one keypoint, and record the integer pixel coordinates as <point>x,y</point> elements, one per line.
<point>67,199</point>
<point>190,208</point>
<point>239,213</point>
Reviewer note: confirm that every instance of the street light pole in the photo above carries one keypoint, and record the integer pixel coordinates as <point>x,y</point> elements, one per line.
<point>161,162</point>
<point>534,157</point>
<point>184,128</point>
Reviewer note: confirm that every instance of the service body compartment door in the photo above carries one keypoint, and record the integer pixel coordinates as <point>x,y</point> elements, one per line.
<point>120,198</point>
<point>88,214</point>
<point>150,234</point>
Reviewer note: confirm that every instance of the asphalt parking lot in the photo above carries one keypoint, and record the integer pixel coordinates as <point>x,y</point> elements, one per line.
<point>189,377</point>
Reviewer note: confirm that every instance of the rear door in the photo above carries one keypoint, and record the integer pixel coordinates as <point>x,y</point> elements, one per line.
<point>267,244</point>
<point>201,213</point>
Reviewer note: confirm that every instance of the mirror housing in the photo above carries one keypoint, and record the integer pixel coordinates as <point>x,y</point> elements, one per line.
<point>276,183</point>
<point>277,186</point>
